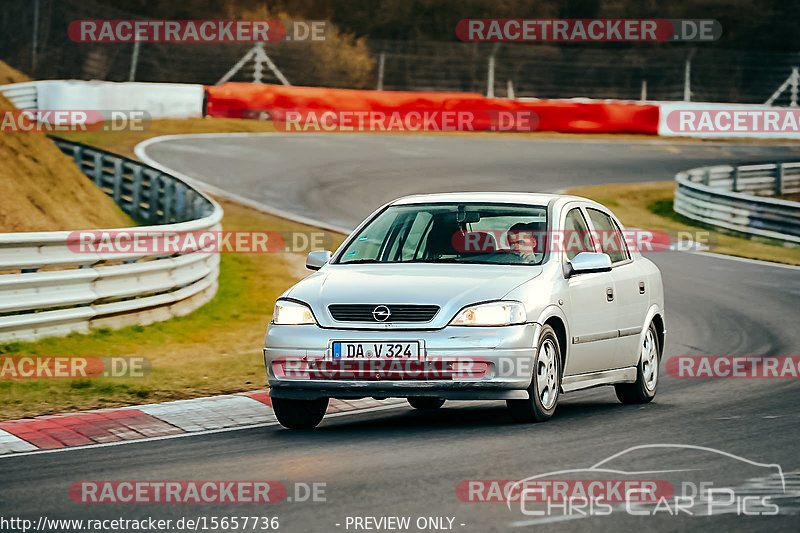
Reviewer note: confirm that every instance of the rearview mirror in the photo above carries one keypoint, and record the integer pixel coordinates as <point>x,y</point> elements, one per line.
<point>587,262</point>
<point>317,259</point>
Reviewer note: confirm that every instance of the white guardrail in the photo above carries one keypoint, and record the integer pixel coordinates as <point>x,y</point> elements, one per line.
<point>723,196</point>
<point>159,100</point>
<point>48,288</point>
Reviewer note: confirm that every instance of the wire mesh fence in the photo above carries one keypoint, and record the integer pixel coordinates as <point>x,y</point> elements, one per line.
<point>33,38</point>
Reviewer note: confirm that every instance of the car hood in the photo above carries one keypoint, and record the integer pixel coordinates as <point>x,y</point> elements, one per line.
<point>449,286</point>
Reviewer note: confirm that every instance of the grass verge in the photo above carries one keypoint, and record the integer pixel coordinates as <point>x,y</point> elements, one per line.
<point>214,350</point>
<point>123,142</point>
<point>649,206</point>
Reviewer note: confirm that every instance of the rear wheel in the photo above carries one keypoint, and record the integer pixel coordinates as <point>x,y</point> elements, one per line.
<point>545,384</point>
<point>299,414</point>
<point>425,403</point>
<point>644,389</point>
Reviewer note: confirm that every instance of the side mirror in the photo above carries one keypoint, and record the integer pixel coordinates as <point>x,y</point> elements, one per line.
<point>317,259</point>
<point>587,262</point>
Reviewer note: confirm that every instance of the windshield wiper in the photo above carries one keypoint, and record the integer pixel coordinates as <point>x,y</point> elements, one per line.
<point>360,262</point>
<point>434,261</point>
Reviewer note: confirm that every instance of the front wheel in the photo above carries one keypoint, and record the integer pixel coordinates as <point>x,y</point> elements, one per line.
<point>299,414</point>
<point>425,403</point>
<point>545,383</point>
<point>644,389</point>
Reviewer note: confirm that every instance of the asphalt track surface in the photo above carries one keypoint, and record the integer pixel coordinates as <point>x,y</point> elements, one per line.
<point>400,462</point>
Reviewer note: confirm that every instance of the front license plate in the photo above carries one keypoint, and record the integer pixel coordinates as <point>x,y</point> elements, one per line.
<point>343,351</point>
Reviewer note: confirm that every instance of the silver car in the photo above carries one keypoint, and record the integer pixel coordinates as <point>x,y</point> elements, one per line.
<point>503,296</point>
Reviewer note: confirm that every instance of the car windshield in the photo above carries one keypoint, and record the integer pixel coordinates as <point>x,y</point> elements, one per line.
<point>452,233</point>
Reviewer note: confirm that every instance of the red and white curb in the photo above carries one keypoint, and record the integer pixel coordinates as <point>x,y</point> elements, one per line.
<point>143,422</point>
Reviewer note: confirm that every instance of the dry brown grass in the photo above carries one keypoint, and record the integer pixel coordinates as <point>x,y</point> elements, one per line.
<point>9,74</point>
<point>42,190</point>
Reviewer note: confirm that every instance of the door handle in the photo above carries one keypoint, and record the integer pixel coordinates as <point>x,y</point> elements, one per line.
<point>610,294</point>
<point>641,287</point>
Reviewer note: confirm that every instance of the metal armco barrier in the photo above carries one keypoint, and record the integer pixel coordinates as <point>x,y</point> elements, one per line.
<point>725,196</point>
<point>48,288</point>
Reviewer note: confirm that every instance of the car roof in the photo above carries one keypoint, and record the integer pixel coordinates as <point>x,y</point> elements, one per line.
<point>488,197</point>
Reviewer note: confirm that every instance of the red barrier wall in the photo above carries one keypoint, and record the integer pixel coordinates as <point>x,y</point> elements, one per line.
<point>245,100</point>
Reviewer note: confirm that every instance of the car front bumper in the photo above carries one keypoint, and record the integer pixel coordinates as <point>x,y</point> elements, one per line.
<point>456,362</point>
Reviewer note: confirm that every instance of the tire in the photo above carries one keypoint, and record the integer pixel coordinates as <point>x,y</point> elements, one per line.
<point>644,389</point>
<point>545,384</point>
<point>299,414</point>
<point>425,403</point>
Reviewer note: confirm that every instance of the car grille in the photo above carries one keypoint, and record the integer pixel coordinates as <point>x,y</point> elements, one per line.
<point>399,313</point>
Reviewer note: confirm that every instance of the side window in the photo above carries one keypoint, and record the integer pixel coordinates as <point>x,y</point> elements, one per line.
<point>609,236</point>
<point>576,238</point>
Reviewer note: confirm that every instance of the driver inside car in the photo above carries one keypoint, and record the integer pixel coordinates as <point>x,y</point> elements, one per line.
<point>523,241</point>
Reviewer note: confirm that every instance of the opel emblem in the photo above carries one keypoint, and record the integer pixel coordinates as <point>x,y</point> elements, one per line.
<point>381,313</point>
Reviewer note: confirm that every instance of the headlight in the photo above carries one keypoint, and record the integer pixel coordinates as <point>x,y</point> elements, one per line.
<point>491,314</point>
<point>287,313</point>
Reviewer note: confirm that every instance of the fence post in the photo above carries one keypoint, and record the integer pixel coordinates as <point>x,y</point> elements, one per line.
<point>117,180</point>
<point>180,202</point>
<point>490,78</point>
<point>136,192</point>
<point>779,177</point>
<point>134,61</point>
<point>189,199</point>
<point>381,66</point>
<point>169,189</point>
<point>153,197</point>
<point>77,156</point>
<point>98,169</point>
<point>687,77</point>
<point>643,97</point>
<point>35,42</point>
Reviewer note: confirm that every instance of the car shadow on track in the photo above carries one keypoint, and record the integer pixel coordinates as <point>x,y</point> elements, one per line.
<point>463,416</point>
